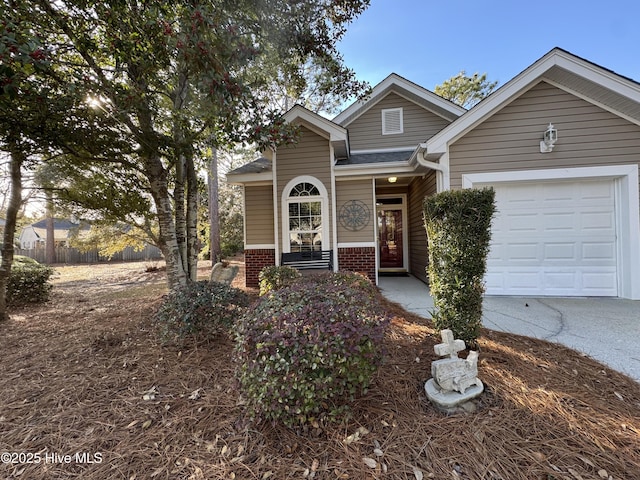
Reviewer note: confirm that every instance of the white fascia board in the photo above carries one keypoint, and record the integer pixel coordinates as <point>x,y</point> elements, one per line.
<point>391,168</point>
<point>335,131</point>
<point>596,74</point>
<point>437,145</point>
<point>593,101</point>
<point>403,83</point>
<point>532,75</point>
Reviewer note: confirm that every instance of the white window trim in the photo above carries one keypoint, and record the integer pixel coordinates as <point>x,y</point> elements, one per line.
<point>384,123</point>
<point>627,210</point>
<point>324,204</point>
<point>260,246</point>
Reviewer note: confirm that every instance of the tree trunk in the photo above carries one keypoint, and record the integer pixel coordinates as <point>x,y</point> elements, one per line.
<point>15,200</point>
<point>214,211</point>
<point>192,218</point>
<point>157,176</point>
<point>50,241</point>
<point>180,213</point>
<point>181,180</point>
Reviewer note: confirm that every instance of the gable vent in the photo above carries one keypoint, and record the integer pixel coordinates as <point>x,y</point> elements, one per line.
<point>392,121</point>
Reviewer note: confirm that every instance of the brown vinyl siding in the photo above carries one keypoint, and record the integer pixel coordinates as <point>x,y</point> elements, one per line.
<point>510,139</point>
<point>310,156</point>
<point>397,190</point>
<point>258,201</point>
<point>362,190</point>
<point>365,133</point>
<point>418,253</point>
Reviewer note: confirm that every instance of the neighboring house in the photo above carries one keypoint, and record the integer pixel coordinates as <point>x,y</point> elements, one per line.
<point>568,219</point>
<point>35,235</point>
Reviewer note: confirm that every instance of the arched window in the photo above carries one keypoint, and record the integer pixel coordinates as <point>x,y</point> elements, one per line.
<point>305,201</point>
<point>304,189</point>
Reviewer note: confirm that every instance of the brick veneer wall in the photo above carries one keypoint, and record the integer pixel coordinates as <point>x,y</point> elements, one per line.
<point>254,261</point>
<point>359,259</point>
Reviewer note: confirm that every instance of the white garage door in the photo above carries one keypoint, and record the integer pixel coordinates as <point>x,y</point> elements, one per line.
<point>554,238</point>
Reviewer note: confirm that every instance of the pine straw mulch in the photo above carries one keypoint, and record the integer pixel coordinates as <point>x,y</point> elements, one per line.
<point>85,373</point>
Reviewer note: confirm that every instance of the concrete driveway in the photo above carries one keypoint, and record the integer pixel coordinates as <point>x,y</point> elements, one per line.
<point>606,329</point>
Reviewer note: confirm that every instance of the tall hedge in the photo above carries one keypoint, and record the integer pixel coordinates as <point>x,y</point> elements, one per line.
<point>458,225</point>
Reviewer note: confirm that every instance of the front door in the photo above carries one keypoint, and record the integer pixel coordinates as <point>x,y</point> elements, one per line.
<point>390,236</point>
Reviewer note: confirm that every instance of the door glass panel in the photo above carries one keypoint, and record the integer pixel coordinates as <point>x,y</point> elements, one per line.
<point>390,241</point>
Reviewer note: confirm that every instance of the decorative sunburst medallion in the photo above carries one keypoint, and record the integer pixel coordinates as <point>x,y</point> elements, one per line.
<point>354,215</point>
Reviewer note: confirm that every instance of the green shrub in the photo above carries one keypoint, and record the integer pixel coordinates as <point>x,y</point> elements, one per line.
<point>22,261</point>
<point>305,351</point>
<point>274,278</point>
<point>458,225</point>
<point>28,282</point>
<point>200,310</point>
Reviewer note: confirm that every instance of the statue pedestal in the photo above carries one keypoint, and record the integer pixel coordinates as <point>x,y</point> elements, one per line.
<point>450,401</point>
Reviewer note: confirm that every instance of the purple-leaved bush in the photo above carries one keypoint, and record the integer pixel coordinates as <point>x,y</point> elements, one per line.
<point>305,351</point>
<point>200,310</point>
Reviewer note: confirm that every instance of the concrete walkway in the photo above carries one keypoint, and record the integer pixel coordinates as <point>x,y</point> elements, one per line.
<point>606,329</point>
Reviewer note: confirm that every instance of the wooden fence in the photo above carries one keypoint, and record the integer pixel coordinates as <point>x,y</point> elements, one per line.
<point>73,256</point>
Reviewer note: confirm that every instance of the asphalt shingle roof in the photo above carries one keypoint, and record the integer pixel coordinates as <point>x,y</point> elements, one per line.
<point>257,166</point>
<point>365,158</point>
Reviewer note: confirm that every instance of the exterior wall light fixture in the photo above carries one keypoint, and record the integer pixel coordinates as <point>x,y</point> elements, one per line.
<point>392,179</point>
<point>550,137</point>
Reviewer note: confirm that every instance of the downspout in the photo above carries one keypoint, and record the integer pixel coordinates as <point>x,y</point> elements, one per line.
<point>442,168</point>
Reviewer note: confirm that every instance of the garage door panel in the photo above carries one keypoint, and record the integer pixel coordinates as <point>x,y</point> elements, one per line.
<point>521,279</point>
<point>599,251</point>
<point>560,251</point>
<point>552,281</point>
<point>524,196</point>
<point>598,222</point>
<point>560,222</point>
<point>522,222</point>
<point>551,195</point>
<point>597,192</point>
<point>555,238</point>
<point>600,283</point>
<point>570,253</point>
<point>522,252</point>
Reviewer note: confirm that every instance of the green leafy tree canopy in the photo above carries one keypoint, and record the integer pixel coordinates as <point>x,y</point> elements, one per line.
<point>465,90</point>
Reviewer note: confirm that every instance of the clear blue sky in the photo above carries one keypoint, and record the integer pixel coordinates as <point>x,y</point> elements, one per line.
<point>428,41</point>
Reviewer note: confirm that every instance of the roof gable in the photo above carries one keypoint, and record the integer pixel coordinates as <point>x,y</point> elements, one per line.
<point>409,90</point>
<point>562,69</point>
<point>324,127</point>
